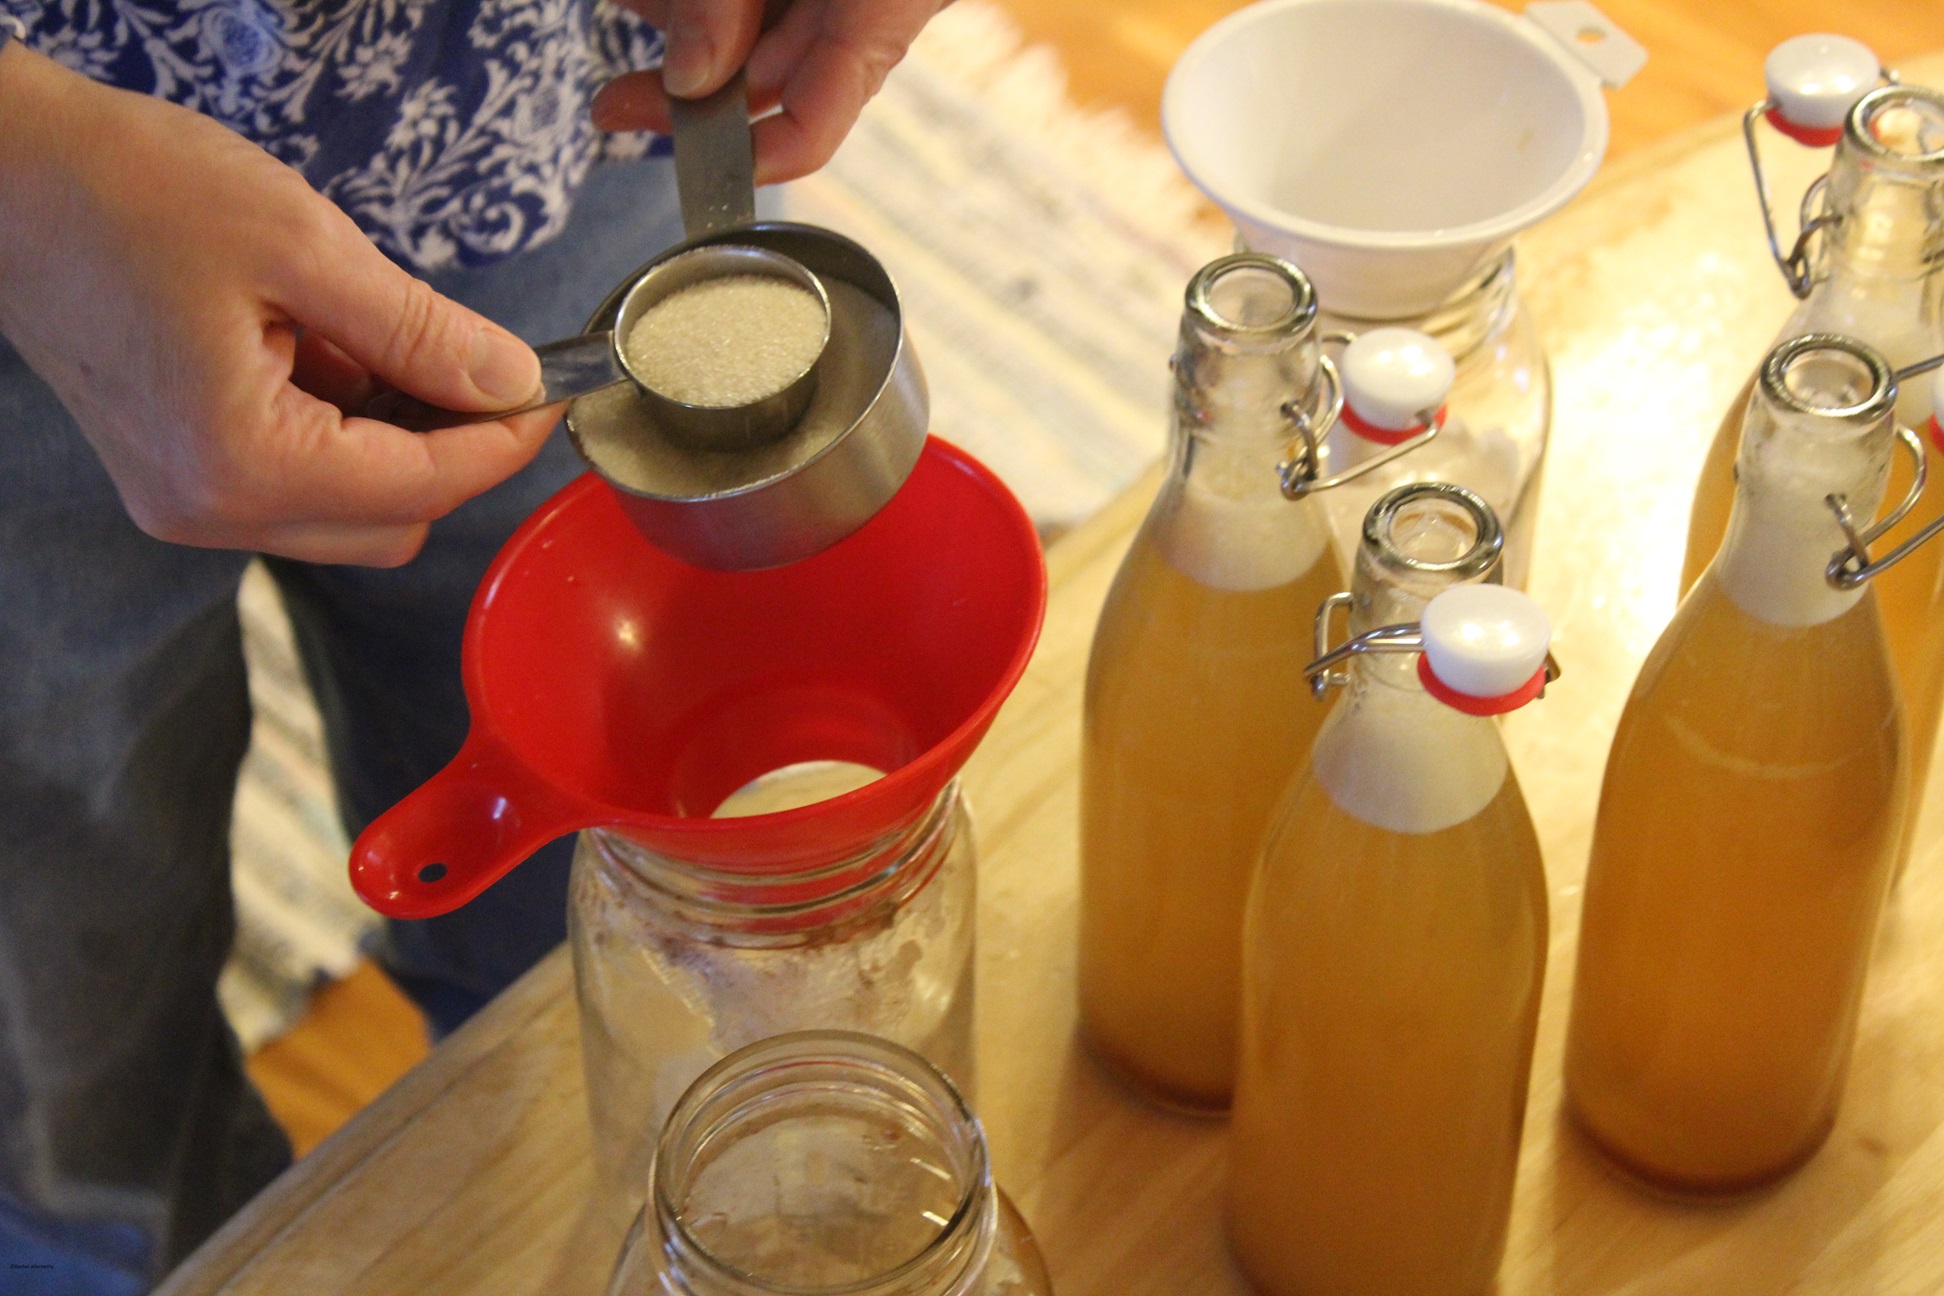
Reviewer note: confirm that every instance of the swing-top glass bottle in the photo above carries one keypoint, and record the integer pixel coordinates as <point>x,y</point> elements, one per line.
<point>1870,268</point>
<point>1751,809</point>
<point>1193,720</point>
<point>1395,942</point>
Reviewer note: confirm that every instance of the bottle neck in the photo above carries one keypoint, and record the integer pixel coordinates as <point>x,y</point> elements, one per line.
<point>1819,423</point>
<point>1875,275</point>
<point>836,888</point>
<point>1476,315</point>
<point>1390,754</point>
<point>1418,541</point>
<point>1885,190</point>
<point>821,1161</point>
<point>1248,347</point>
<point>1248,355</point>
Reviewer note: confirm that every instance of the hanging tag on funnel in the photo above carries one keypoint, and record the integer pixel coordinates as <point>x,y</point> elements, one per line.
<point>1591,37</point>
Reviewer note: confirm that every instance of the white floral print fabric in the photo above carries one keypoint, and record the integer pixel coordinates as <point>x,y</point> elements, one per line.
<point>455,132</point>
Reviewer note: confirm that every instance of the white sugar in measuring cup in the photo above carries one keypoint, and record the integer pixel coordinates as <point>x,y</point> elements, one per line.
<point>1392,148</point>
<point>747,486</point>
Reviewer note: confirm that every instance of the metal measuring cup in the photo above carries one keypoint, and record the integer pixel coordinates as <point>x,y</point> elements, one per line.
<point>577,366</point>
<point>762,486</point>
<point>715,180</point>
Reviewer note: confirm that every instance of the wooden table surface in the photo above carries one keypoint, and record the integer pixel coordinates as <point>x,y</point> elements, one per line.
<point>1656,297</point>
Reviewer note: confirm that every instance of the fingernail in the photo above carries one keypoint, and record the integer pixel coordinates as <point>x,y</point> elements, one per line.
<point>602,110</point>
<point>503,368</point>
<point>691,58</point>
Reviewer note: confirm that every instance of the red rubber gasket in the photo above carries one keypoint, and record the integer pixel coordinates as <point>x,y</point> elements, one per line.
<point>1385,436</point>
<point>1479,706</point>
<point>1811,136</point>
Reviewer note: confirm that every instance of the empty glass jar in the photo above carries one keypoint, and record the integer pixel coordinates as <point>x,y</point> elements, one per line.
<point>678,964</point>
<point>825,1161</point>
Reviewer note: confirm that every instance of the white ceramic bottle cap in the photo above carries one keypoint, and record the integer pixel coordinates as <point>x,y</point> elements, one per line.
<point>1391,378</point>
<point>1485,641</point>
<point>1814,81</point>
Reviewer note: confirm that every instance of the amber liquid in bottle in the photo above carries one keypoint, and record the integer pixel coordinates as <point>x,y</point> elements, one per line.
<point>1747,826</point>
<point>1738,869</point>
<point>1877,282</point>
<point>1196,710</point>
<point>1389,1035</point>
<point>1394,954</point>
<point>1910,596</point>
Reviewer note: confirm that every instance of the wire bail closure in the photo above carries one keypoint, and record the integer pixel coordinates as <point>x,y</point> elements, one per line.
<point>1405,638</point>
<point>1300,473</point>
<point>1852,566</point>
<point>1795,266</point>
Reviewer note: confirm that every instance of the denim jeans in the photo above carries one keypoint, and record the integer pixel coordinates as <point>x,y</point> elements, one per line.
<point>128,1130</point>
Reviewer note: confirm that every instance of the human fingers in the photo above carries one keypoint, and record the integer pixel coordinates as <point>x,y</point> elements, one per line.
<point>639,100</point>
<point>326,467</point>
<point>295,461</point>
<point>320,367</point>
<point>398,328</point>
<point>824,61</point>
<point>632,101</point>
<point>707,40</point>
<point>344,543</point>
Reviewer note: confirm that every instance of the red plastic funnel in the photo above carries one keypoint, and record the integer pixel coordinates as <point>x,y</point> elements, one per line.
<point>613,685</point>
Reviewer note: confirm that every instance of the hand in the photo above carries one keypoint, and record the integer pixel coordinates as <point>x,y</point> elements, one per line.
<point>208,319</point>
<point>821,63</point>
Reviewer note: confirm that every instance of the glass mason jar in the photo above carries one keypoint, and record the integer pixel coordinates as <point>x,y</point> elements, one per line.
<point>1497,421</point>
<point>1749,815</point>
<point>825,1161</point>
<point>677,965</point>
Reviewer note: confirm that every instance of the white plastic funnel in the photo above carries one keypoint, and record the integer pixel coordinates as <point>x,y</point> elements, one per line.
<point>1391,148</point>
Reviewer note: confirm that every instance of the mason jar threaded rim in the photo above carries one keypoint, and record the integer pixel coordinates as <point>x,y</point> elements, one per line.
<point>755,1082</point>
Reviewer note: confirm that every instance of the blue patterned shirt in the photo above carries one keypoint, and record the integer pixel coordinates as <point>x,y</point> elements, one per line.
<point>455,132</point>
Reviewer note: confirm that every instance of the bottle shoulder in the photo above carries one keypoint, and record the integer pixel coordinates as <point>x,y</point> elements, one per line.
<point>1725,682</point>
<point>1318,854</point>
<point>1392,757</point>
<point>1165,635</point>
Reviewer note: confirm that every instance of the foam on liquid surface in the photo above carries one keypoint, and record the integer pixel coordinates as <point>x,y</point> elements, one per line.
<point>1247,541</point>
<point>1406,765</point>
<point>1780,541</point>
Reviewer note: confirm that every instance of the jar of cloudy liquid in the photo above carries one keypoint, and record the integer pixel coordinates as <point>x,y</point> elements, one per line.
<point>826,1161</point>
<point>678,963</point>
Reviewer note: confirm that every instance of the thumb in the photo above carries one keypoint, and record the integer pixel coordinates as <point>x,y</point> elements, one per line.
<point>707,41</point>
<point>402,330</point>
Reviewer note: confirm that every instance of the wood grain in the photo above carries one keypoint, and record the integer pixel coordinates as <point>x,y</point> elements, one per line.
<point>1706,59</point>
<point>1655,298</point>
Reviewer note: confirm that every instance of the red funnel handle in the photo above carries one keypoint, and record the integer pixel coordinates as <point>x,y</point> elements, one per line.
<point>466,828</point>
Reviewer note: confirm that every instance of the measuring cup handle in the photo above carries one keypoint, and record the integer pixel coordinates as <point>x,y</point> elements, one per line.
<point>570,367</point>
<point>463,830</point>
<point>715,160</point>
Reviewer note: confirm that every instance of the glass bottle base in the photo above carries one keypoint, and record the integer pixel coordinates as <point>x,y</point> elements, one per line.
<point>1173,1099</point>
<point>1676,1186</point>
